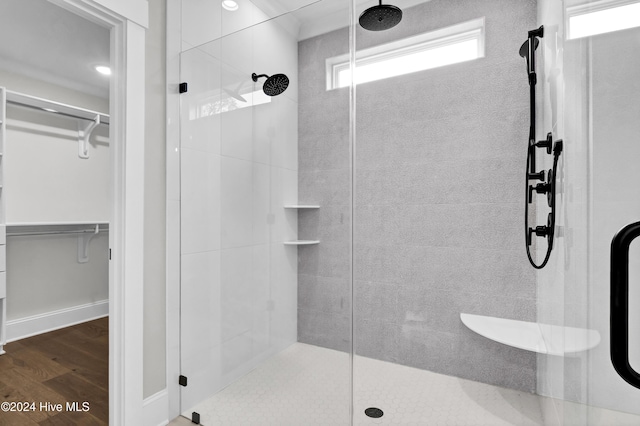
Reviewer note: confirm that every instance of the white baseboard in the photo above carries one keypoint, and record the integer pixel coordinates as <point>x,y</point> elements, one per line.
<point>156,409</point>
<point>42,323</point>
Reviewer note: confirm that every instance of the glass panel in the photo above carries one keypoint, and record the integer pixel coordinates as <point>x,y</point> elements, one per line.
<point>439,229</point>
<point>258,346</point>
<point>601,109</point>
<point>324,275</point>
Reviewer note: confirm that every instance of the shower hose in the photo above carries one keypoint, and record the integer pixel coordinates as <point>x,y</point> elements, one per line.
<point>549,229</point>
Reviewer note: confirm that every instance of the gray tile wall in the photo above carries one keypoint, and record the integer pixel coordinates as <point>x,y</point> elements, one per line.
<point>438,200</point>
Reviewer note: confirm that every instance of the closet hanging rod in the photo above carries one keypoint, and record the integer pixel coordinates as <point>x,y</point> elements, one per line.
<point>26,234</point>
<point>28,101</point>
<point>53,228</point>
<point>51,111</point>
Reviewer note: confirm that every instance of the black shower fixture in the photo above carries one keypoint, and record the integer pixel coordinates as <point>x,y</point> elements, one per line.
<point>548,178</point>
<point>525,53</point>
<point>380,17</point>
<point>275,85</point>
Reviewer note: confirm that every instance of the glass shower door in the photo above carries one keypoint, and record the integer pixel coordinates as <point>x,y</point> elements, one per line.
<point>603,105</point>
<point>252,350</point>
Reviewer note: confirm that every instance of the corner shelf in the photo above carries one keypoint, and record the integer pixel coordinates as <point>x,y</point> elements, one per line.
<point>532,336</point>
<point>93,118</point>
<point>300,206</point>
<point>301,242</point>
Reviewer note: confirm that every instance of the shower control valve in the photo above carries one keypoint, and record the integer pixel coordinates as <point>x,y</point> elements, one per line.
<point>541,188</point>
<point>537,176</point>
<point>540,231</point>
<point>547,143</point>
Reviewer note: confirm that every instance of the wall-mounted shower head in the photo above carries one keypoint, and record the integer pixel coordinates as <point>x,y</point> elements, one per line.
<point>275,85</point>
<point>380,17</point>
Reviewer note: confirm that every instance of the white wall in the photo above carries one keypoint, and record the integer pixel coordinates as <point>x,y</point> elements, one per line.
<point>238,170</point>
<point>45,180</point>
<point>43,274</point>
<point>23,84</point>
<point>155,210</point>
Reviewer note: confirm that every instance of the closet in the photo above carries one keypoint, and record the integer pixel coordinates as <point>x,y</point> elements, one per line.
<point>54,169</point>
<point>54,172</point>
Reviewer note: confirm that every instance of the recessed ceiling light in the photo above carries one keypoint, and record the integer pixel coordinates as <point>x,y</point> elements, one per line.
<point>230,5</point>
<point>103,70</point>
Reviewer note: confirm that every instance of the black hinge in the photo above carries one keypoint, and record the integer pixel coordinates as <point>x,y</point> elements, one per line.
<point>183,88</point>
<point>195,418</point>
<point>109,254</point>
<point>182,380</point>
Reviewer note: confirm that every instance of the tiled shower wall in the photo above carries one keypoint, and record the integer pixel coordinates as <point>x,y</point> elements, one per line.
<point>238,170</point>
<point>438,200</point>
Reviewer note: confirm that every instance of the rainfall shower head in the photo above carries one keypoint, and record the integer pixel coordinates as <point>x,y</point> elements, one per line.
<point>275,85</point>
<point>380,17</point>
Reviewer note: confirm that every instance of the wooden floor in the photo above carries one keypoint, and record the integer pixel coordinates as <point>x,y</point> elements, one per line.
<point>63,366</point>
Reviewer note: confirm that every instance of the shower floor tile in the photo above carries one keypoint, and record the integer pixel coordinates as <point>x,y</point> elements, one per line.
<point>309,385</point>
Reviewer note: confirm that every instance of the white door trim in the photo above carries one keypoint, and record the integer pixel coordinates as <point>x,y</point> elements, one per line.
<point>128,20</point>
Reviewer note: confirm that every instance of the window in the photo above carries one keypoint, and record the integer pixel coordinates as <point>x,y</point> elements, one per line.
<point>458,43</point>
<point>602,17</point>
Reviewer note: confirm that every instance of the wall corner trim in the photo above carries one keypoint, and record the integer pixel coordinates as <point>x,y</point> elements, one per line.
<point>155,409</point>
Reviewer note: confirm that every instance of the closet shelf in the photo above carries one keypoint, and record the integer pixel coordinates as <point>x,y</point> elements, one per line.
<point>93,118</point>
<point>55,107</point>
<point>301,206</point>
<point>301,242</point>
<point>533,336</point>
<point>84,223</point>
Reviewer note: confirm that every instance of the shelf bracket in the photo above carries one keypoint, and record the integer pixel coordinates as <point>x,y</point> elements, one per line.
<point>83,244</point>
<point>84,133</point>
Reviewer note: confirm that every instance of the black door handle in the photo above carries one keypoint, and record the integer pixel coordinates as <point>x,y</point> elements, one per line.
<point>619,315</point>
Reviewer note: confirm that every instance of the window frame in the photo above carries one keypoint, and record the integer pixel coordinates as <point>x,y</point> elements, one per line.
<point>593,7</point>
<point>454,34</point>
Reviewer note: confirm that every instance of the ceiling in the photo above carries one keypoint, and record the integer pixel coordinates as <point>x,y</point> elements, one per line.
<point>322,16</point>
<point>309,18</point>
<point>46,42</point>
